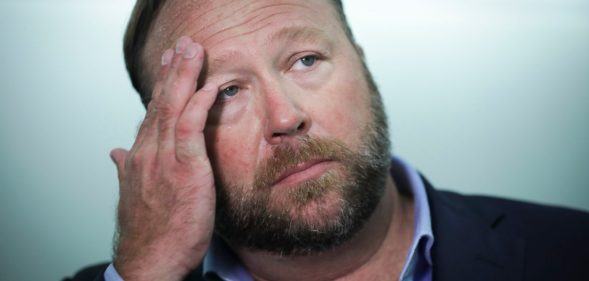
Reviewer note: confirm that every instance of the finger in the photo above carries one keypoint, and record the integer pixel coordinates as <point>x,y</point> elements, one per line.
<point>162,77</point>
<point>119,156</point>
<point>179,87</point>
<point>148,127</point>
<point>149,124</point>
<point>190,144</point>
<point>144,149</point>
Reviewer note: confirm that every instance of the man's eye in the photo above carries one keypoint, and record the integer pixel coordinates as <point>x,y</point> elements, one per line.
<point>305,62</point>
<point>308,60</point>
<point>228,92</point>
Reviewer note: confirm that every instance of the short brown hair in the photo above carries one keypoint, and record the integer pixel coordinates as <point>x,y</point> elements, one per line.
<point>142,18</point>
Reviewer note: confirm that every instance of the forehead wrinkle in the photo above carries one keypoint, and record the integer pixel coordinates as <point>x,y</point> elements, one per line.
<point>176,26</point>
<point>256,19</point>
<point>286,34</point>
<point>178,16</point>
<point>260,14</point>
<point>219,61</point>
<point>289,33</point>
<point>192,21</point>
<point>229,37</point>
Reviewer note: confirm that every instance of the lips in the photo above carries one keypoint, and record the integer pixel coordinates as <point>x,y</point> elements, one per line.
<point>303,171</point>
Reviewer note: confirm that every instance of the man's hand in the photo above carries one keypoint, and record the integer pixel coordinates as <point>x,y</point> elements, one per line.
<point>167,197</point>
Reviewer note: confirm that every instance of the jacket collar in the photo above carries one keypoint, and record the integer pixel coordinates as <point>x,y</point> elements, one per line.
<point>467,247</point>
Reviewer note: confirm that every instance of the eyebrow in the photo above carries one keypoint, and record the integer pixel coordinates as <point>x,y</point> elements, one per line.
<point>221,60</point>
<point>298,33</point>
<point>286,34</point>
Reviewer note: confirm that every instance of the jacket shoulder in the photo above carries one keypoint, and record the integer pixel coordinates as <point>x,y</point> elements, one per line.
<point>553,238</point>
<point>524,219</point>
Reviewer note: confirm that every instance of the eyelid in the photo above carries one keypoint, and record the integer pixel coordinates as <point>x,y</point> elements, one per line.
<point>230,82</point>
<point>297,57</point>
<point>225,86</point>
<point>221,98</point>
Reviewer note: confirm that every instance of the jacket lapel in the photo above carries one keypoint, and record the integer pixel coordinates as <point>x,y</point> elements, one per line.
<point>465,245</point>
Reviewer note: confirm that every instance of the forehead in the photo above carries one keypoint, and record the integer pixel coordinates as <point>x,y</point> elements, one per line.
<point>212,22</point>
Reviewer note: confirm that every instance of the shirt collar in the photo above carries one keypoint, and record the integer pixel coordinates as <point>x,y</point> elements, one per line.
<point>222,263</point>
<point>407,179</point>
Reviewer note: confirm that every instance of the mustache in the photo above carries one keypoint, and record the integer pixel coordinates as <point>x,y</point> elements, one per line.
<point>288,155</point>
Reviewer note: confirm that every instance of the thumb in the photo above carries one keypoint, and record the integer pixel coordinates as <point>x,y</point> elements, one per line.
<point>118,156</point>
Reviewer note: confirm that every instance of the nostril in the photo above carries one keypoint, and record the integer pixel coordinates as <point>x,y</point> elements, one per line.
<point>277,135</point>
<point>301,126</point>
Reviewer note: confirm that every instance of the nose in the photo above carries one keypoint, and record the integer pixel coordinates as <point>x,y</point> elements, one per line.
<point>285,116</point>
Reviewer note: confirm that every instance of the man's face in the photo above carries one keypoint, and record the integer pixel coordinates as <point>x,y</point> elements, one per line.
<point>292,137</point>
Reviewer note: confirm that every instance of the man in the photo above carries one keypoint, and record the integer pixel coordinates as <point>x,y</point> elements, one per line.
<point>264,155</point>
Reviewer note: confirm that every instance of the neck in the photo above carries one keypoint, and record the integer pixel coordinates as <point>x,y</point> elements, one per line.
<point>379,249</point>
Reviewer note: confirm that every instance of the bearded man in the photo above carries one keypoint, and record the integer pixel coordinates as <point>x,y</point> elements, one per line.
<point>264,155</point>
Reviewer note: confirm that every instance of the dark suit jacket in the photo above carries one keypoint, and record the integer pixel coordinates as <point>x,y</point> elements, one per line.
<point>484,238</point>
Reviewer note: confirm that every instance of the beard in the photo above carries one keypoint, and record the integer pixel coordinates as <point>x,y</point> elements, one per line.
<point>318,214</point>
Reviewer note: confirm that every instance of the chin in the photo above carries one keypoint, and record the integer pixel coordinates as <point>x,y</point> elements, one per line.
<point>319,212</point>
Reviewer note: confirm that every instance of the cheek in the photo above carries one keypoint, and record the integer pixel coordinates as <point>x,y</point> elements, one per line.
<point>233,152</point>
<point>344,108</point>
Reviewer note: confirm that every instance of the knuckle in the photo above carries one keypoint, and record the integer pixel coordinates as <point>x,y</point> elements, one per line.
<point>165,110</point>
<point>151,107</point>
<point>184,154</point>
<point>172,86</point>
<point>164,128</point>
<point>135,160</point>
<point>145,125</point>
<point>185,71</point>
<point>183,130</point>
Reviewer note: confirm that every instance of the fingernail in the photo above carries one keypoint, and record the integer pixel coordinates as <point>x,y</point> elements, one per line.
<point>182,43</point>
<point>191,51</point>
<point>167,57</point>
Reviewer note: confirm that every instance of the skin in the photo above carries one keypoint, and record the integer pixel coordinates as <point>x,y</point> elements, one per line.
<point>264,48</point>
